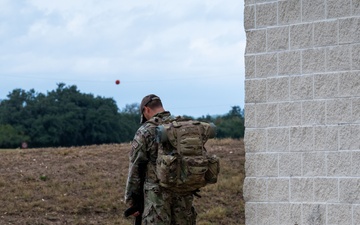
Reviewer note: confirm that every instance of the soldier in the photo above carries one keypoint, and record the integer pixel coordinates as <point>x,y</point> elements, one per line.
<point>161,206</point>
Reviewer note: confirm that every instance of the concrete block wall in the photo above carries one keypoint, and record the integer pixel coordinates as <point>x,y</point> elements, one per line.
<point>302,110</point>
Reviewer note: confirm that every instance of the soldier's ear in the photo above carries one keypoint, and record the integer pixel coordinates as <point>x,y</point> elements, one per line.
<point>147,112</point>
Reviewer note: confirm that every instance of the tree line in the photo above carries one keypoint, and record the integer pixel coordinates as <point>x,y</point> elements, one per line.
<point>66,117</point>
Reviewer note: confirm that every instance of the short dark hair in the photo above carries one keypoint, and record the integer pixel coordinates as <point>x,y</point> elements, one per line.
<point>154,104</point>
<point>152,101</point>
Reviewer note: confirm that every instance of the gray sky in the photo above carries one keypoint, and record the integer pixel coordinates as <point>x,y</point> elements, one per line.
<point>189,52</point>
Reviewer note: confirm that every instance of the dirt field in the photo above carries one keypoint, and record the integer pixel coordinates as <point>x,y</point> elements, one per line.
<point>85,185</point>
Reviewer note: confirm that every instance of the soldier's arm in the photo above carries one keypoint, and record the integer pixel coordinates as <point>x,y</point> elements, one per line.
<point>137,157</point>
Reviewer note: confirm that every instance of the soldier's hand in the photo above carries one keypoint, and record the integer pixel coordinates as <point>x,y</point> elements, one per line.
<point>137,213</point>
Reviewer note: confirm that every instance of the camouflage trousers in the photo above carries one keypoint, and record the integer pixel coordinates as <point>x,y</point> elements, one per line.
<point>162,207</point>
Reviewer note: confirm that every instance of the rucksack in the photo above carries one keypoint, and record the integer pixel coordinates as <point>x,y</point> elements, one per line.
<point>183,164</point>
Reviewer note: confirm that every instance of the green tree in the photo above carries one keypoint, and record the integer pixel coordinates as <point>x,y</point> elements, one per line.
<point>231,125</point>
<point>62,117</point>
<point>67,117</point>
<point>10,137</point>
<point>129,118</point>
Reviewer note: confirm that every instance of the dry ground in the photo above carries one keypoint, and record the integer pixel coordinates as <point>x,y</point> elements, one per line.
<point>85,185</point>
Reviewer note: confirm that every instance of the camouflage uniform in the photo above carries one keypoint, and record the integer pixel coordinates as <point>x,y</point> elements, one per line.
<point>161,206</point>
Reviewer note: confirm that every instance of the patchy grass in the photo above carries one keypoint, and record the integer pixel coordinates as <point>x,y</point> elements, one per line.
<point>85,185</point>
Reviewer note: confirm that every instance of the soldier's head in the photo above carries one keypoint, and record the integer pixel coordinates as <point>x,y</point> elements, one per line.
<point>150,105</point>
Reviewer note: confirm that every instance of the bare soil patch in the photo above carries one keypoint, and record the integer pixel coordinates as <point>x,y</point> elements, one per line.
<point>85,185</point>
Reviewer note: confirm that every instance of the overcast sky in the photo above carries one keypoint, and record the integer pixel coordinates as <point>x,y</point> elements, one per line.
<point>189,52</point>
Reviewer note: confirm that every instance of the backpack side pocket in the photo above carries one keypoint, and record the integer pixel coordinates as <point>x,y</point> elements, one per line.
<point>212,173</point>
<point>167,170</point>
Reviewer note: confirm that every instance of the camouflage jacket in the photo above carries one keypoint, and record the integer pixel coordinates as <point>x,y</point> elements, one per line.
<point>143,152</point>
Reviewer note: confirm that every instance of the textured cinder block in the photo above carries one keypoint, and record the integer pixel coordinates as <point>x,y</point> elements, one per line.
<point>338,164</point>
<point>356,212</point>
<point>250,163</point>
<point>267,115</point>
<point>336,8</point>
<point>326,85</point>
<point>349,137</point>
<point>313,10</point>
<point>250,67</point>
<point>301,189</point>
<point>355,56</point>
<point>250,115</point>
<point>314,214</point>
<point>301,139</point>
<point>349,190</point>
<point>313,60</point>
<point>339,214</point>
<point>356,9</point>
<point>255,91</point>
<point>249,17</point>
<point>314,164</point>
<point>326,138</point>
<point>338,58</point>
<point>267,165</point>
<point>303,94</point>
<point>349,30</point>
<point>301,87</point>
<point>290,114</point>
<point>277,39</point>
<point>326,190</point>
<point>290,213</point>
<point>349,84</point>
<point>255,140</point>
<point>338,111</point>
<point>278,89</point>
<point>248,2</point>
<point>250,213</point>
<point>290,164</point>
<point>356,110</point>
<point>289,12</point>
<point>266,14</point>
<point>278,139</point>
<point>255,41</point>
<point>262,1</point>
<point>255,189</point>
<point>355,163</point>
<point>267,214</point>
<point>326,33</point>
<point>289,63</point>
<point>301,36</point>
<point>278,189</point>
<point>313,112</point>
<point>266,65</point>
